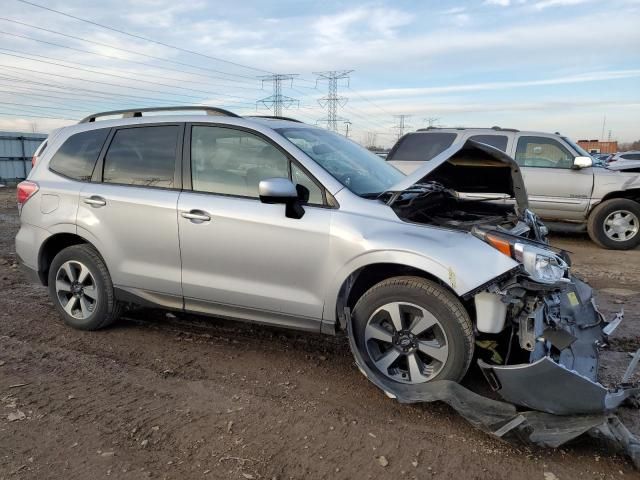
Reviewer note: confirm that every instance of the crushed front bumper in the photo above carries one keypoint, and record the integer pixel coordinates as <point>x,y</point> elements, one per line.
<point>559,386</point>
<point>566,332</point>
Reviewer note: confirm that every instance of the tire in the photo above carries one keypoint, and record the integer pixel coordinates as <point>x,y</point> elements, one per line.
<point>416,299</point>
<point>603,229</point>
<point>77,274</point>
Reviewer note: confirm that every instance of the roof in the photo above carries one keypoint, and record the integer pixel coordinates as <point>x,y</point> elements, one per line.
<point>248,122</point>
<point>482,130</point>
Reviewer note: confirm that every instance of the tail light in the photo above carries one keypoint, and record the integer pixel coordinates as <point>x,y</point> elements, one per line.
<point>25,191</point>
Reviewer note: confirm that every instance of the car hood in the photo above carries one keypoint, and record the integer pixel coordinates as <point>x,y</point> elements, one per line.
<point>471,167</point>
<point>633,166</point>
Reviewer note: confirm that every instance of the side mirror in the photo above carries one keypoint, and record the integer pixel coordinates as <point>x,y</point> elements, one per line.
<point>582,162</point>
<point>281,190</point>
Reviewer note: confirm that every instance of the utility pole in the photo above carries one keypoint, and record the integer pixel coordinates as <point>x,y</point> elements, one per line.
<point>402,125</point>
<point>277,101</point>
<point>347,124</point>
<point>332,101</point>
<point>604,122</point>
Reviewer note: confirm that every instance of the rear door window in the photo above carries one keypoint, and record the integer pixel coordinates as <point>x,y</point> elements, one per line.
<point>497,141</point>
<point>143,156</point>
<point>631,156</point>
<point>420,147</point>
<point>77,156</point>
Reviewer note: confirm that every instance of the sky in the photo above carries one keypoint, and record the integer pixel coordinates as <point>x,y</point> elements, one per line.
<point>551,65</point>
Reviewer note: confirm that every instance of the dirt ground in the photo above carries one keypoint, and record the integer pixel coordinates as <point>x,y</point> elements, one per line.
<point>162,397</point>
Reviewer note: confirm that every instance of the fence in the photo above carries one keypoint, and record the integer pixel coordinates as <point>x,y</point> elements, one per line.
<point>16,150</point>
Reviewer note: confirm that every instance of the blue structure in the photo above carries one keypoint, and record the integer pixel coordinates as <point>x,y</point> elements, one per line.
<point>16,150</point>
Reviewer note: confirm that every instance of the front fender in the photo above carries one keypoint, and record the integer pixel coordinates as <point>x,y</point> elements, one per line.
<point>458,259</point>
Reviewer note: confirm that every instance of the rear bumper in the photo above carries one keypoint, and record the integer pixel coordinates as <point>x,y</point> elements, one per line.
<point>31,274</point>
<point>29,241</point>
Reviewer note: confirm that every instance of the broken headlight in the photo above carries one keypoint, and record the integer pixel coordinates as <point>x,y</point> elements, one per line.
<point>542,265</point>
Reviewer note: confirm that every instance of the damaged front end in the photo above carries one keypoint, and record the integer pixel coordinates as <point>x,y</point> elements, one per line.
<point>538,329</point>
<point>554,334</point>
<point>539,323</point>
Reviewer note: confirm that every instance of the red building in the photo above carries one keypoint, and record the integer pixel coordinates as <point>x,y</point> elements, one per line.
<point>596,146</point>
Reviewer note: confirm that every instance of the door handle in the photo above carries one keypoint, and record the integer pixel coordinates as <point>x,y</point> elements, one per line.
<point>196,216</point>
<point>95,201</point>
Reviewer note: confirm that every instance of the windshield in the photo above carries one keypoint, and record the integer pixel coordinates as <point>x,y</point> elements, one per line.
<point>597,162</point>
<point>581,151</point>
<point>355,167</point>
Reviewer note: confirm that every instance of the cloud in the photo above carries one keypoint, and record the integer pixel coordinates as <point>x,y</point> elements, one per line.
<point>571,79</point>
<point>358,21</point>
<point>501,3</point>
<point>558,3</point>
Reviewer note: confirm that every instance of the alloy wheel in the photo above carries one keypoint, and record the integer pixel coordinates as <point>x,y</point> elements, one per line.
<point>76,289</point>
<point>621,225</point>
<point>406,342</point>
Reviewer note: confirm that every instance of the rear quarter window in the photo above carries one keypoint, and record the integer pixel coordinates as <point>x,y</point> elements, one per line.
<point>420,147</point>
<point>77,156</point>
<point>497,141</point>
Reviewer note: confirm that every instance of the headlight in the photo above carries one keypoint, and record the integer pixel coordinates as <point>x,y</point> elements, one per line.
<point>542,265</point>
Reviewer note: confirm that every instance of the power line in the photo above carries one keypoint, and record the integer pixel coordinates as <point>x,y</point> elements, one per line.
<point>124,77</point>
<point>102,83</point>
<point>93,92</point>
<point>332,101</point>
<point>277,101</point>
<point>175,62</point>
<point>158,67</point>
<point>146,39</point>
<point>41,106</point>
<point>369,101</point>
<point>36,116</point>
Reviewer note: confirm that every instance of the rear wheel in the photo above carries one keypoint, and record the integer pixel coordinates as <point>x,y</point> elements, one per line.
<point>81,289</point>
<point>411,330</point>
<point>615,224</point>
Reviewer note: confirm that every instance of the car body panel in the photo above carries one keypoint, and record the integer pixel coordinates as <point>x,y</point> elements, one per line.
<point>250,254</point>
<point>136,233</point>
<point>365,232</point>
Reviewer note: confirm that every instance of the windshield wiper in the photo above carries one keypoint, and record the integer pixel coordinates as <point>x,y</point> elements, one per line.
<point>371,195</point>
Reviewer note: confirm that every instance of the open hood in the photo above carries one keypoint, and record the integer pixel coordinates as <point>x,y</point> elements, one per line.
<point>471,167</point>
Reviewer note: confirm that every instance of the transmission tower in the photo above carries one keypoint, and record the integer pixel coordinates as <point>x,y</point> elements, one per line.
<point>332,101</point>
<point>431,121</point>
<point>402,124</point>
<point>277,101</point>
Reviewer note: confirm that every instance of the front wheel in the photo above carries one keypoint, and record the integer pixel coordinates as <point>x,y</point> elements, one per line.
<point>411,331</point>
<point>81,289</point>
<point>615,224</point>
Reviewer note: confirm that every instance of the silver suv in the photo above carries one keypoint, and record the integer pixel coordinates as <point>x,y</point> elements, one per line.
<point>565,188</point>
<point>273,221</point>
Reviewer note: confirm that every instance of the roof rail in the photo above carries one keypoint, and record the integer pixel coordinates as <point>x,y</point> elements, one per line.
<point>138,112</point>
<point>495,128</point>
<point>276,117</point>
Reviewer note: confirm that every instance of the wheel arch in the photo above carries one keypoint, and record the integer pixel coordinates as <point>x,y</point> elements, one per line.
<point>631,194</point>
<point>54,245</point>
<point>360,279</point>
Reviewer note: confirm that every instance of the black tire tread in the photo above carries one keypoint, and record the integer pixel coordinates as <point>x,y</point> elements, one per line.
<point>594,219</point>
<point>114,308</point>
<point>432,288</point>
